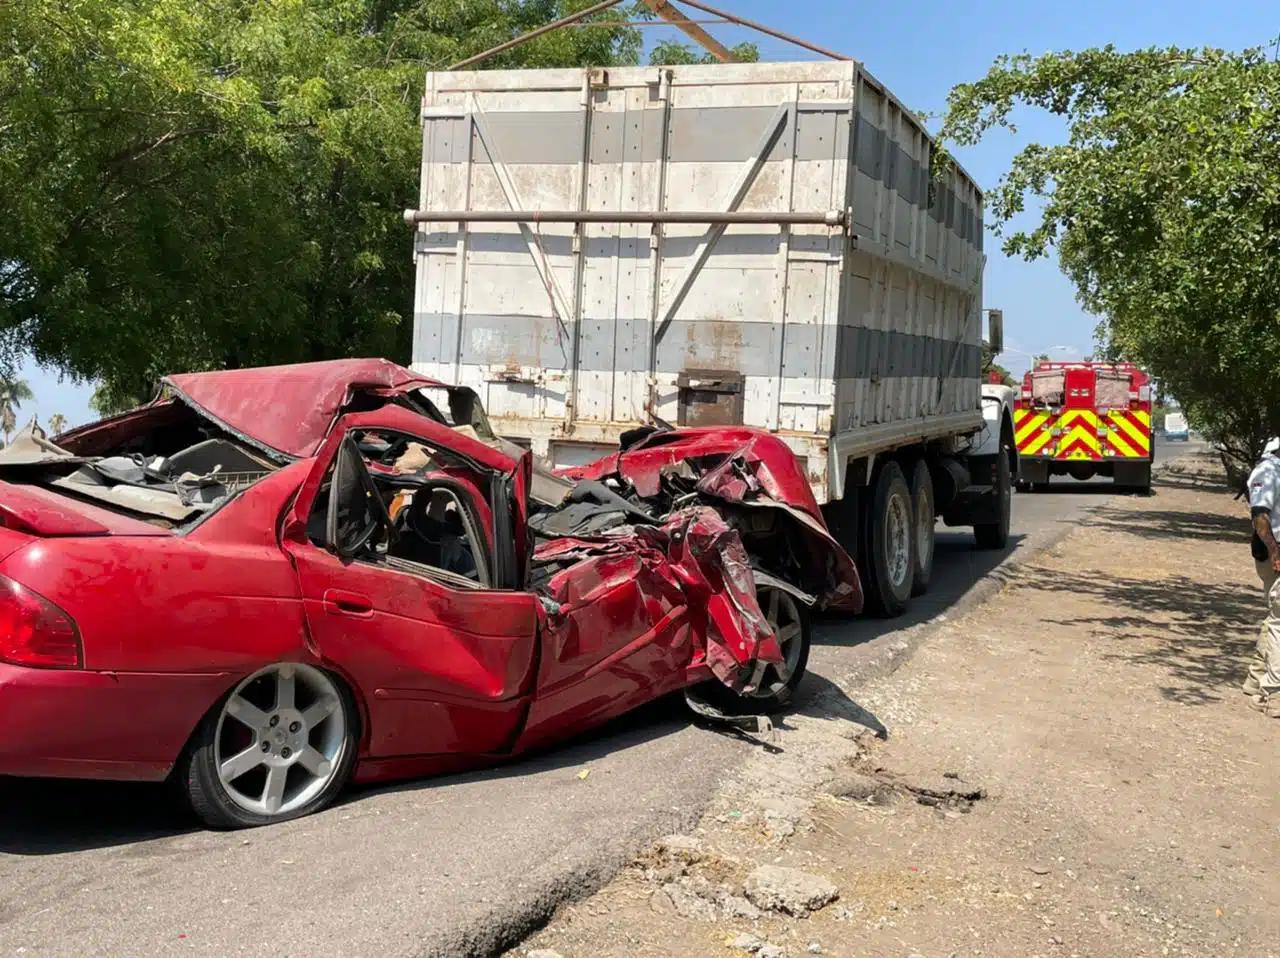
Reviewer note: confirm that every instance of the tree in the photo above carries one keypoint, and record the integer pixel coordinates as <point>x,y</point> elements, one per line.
<point>989,365</point>
<point>1164,209</point>
<point>673,53</point>
<point>677,53</point>
<point>57,423</point>
<point>107,400</point>
<point>195,186</point>
<point>13,393</point>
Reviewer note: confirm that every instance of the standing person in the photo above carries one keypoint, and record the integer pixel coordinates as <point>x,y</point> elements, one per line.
<point>1264,507</point>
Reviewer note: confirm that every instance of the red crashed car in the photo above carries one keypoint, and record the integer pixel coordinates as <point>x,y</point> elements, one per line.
<point>270,582</point>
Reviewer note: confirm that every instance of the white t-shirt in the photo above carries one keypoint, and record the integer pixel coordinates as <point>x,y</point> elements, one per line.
<point>1264,489</point>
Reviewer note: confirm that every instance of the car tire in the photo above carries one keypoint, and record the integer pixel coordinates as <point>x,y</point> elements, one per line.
<point>777,695</point>
<point>995,535</point>
<point>888,550</point>
<point>922,511</point>
<point>308,744</point>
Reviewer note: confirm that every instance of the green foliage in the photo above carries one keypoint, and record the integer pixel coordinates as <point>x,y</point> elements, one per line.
<point>13,393</point>
<point>107,400</point>
<point>672,53</point>
<point>205,185</point>
<point>1164,209</point>
<point>989,365</point>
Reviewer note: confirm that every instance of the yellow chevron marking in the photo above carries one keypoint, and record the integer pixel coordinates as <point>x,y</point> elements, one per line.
<point>1030,423</point>
<point>1036,444</point>
<point>1084,434</point>
<point>1120,446</point>
<point>1085,417</point>
<point>1134,433</point>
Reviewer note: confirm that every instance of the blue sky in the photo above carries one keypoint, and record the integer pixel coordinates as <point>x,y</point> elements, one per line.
<point>920,51</point>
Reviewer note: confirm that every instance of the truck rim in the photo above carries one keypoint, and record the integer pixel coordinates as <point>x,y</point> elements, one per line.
<point>897,540</point>
<point>280,739</point>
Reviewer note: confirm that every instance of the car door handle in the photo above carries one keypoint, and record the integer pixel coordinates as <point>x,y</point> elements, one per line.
<point>340,602</point>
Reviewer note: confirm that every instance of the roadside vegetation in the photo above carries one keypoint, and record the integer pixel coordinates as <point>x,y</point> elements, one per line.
<point>1163,205</point>
<point>197,186</point>
<point>214,185</point>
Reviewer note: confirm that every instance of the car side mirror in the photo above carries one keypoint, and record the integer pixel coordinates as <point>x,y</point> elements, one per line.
<point>995,331</point>
<point>356,511</point>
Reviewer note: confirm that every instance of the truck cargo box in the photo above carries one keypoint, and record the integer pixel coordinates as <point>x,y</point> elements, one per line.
<point>758,244</point>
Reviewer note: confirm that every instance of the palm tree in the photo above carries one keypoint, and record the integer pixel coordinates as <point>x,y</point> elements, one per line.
<point>13,392</point>
<point>57,423</point>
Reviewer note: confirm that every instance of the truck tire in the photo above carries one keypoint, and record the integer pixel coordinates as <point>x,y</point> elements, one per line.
<point>995,535</point>
<point>888,571</point>
<point>922,508</point>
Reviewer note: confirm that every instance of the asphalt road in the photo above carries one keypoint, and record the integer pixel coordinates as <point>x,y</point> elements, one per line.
<point>447,866</point>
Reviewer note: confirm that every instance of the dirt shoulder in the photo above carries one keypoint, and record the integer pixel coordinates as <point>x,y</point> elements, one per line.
<point>1067,769</point>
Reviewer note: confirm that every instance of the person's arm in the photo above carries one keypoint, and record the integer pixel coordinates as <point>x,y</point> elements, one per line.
<point>1263,487</point>
<point>1262,526</point>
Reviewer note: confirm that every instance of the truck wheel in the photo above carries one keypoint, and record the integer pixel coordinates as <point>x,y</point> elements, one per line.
<point>889,570</point>
<point>925,526</point>
<point>995,535</point>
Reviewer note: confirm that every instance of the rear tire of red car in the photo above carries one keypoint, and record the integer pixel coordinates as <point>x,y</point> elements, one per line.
<point>282,744</point>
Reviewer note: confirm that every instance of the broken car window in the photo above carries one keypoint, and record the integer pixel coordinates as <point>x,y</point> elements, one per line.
<point>431,525</point>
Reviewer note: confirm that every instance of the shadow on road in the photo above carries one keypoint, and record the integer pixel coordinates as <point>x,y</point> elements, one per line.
<point>958,567</point>
<point>1091,487</point>
<point>1174,525</point>
<point>1204,638</point>
<point>48,817</point>
<point>52,816</point>
<point>655,720</point>
<point>820,698</point>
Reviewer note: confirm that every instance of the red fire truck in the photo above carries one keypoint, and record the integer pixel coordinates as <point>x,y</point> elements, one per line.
<point>1084,420</point>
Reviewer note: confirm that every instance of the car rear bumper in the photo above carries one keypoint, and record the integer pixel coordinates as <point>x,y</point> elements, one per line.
<point>106,725</point>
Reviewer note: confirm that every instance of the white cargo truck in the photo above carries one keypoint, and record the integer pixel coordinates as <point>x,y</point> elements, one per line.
<point>758,244</point>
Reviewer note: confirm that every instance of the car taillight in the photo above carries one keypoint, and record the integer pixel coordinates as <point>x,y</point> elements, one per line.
<point>34,632</point>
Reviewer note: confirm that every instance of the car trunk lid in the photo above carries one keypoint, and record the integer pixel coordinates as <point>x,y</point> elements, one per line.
<point>27,511</point>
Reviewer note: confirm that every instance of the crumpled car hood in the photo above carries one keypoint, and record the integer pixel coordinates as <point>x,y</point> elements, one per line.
<point>747,468</point>
<point>289,409</point>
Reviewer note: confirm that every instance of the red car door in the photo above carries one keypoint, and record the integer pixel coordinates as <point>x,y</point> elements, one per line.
<point>443,664</point>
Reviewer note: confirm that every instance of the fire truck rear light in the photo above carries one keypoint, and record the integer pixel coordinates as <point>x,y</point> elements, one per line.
<point>1144,394</point>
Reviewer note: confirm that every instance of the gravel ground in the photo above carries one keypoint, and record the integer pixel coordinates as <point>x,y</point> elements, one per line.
<point>1068,769</point>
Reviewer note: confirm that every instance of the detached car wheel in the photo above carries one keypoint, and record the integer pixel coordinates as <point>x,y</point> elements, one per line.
<point>280,746</point>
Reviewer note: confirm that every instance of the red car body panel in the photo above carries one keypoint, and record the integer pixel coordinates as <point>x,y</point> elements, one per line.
<point>171,620</point>
<point>744,466</point>
<point>291,408</point>
<point>42,512</point>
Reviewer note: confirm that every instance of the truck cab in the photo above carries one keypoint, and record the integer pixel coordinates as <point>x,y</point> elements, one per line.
<point>1175,427</point>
